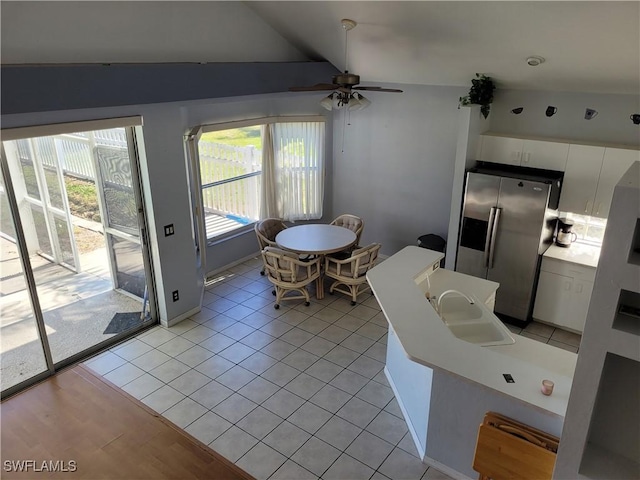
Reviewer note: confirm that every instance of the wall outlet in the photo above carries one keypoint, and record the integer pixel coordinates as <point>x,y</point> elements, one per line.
<point>175,295</point>
<point>168,230</point>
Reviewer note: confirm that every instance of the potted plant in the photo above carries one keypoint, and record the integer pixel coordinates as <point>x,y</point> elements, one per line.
<point>480,93</point>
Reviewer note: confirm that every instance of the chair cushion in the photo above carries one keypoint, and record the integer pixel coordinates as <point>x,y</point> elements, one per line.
<point>349,222</point>
<point>270,228</point>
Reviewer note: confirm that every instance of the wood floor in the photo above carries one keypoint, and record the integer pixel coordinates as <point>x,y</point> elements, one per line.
<point>96,431</point>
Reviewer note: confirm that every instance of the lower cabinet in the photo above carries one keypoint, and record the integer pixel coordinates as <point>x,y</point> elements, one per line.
<point>564,292</point>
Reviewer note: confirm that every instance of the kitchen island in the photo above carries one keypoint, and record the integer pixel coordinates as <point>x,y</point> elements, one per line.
<point>445,385</point>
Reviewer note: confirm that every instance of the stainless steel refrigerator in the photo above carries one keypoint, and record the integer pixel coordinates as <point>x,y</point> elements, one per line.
<point>508,222</point>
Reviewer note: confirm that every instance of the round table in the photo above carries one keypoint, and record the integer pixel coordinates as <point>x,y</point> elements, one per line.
<point>316,239</point>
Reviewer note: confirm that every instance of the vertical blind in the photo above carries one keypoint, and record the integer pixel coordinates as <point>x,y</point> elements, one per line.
<point>299,169</point>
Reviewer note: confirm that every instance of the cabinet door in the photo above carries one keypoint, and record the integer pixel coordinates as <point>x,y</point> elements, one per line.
<point>546,155</point>
<point>581,179</point>
<point>501,150</point>
<point>553,299</point>
<point>616,162</point>
<point>580,305</point>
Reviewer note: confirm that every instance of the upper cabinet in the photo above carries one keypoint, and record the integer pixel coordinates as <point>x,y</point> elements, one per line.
<point>590,172</point>
<point>524,152</point>
<point>581,179</point>
<point>616,162</point>
<point>590,176</point>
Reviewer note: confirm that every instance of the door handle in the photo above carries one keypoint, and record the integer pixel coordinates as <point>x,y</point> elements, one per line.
<point>487,240</point>
<point>494,232</point>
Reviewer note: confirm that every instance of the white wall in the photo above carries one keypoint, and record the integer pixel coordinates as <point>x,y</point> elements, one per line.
<point>396,170</point>
<point>612,125</point>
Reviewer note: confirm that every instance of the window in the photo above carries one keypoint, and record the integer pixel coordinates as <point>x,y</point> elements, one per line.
<point>271,167</point>
<point>230,170</point>
<point>299,153</point>
<point>589,230</point>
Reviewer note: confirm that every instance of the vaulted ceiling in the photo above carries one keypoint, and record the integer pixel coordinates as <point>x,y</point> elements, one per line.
<point>591,46</point>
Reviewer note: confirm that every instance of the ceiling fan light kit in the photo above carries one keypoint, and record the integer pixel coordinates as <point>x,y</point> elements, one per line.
<point>351,101</point>
<point>344,84</point>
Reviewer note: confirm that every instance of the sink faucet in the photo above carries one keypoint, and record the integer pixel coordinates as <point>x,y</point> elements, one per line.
<point>449,292</point>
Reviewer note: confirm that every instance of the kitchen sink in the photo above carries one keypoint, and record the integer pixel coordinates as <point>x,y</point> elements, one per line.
<point>473,323</point>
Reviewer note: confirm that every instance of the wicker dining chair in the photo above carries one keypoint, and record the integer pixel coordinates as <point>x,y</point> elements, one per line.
<point>350,273</point>
<point>266,231</point>
<point>353,223</point>
<point>288,273</point>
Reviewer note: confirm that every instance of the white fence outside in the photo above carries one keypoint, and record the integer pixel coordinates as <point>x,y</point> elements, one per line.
<point>73,151</point>
<point>238,199</point>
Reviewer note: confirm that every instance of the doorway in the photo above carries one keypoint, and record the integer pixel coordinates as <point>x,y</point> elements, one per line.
<point>73,251</point>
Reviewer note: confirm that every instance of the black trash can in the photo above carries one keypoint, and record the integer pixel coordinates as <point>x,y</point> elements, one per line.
<point>433,242</point>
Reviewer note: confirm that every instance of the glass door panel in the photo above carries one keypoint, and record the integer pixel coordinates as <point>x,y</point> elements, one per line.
<point>79,202</point>
<point>116,187</point>
<point>129,265</point>
<point>22,355</point>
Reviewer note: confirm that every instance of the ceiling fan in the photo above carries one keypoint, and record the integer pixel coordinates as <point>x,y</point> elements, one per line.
<point>344,85</point>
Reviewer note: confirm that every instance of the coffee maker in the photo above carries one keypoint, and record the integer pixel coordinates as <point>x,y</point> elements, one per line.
<point>565,237</point>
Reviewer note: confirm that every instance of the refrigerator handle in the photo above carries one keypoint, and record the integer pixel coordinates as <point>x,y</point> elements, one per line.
<point>487,241</point>
<point>494,233</point>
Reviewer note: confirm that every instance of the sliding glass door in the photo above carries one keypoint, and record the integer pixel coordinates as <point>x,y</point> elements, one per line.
<point>22,351</point>
<point>78,200</point>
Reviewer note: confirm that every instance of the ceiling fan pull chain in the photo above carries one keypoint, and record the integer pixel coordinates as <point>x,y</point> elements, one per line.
<point>344,118</point>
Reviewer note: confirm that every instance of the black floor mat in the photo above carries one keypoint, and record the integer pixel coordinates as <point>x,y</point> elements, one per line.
<point>123,321</point>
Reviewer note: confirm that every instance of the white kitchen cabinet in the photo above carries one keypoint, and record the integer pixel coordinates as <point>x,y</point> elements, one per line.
<point>581,179</point>
<point>564,292</point>
<point>524,152</point>
<point>590,177</point>
<point>616,162</point>
<point>545,155</point>
<point>503,150</point>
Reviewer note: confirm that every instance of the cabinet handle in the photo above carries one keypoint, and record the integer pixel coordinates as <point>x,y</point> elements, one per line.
<point>579,288</point>
<point>518,157</point>
<point>586,207</point>
<point>567,286</point>
<point>598,209</point>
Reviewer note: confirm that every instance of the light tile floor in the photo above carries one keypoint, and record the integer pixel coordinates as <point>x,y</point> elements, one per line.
<point>295,393</point>
<point>548,334</point>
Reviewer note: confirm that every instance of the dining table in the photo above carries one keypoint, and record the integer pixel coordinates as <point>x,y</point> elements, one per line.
<point>316,239</point>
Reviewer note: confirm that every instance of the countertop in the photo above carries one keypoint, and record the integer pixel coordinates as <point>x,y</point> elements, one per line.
<point>427,341</point>
<point>577,253</point>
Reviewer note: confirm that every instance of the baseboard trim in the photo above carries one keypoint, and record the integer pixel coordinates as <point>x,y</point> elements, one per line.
<point>444,469</point>
<point>229,265</point>
<point>179,318</point>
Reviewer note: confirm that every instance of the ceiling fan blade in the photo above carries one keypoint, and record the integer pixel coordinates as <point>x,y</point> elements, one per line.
<point>313,88</point>
<point>378,89</point>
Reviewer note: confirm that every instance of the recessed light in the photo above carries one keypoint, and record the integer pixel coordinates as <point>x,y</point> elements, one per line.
<point>534,61</point>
